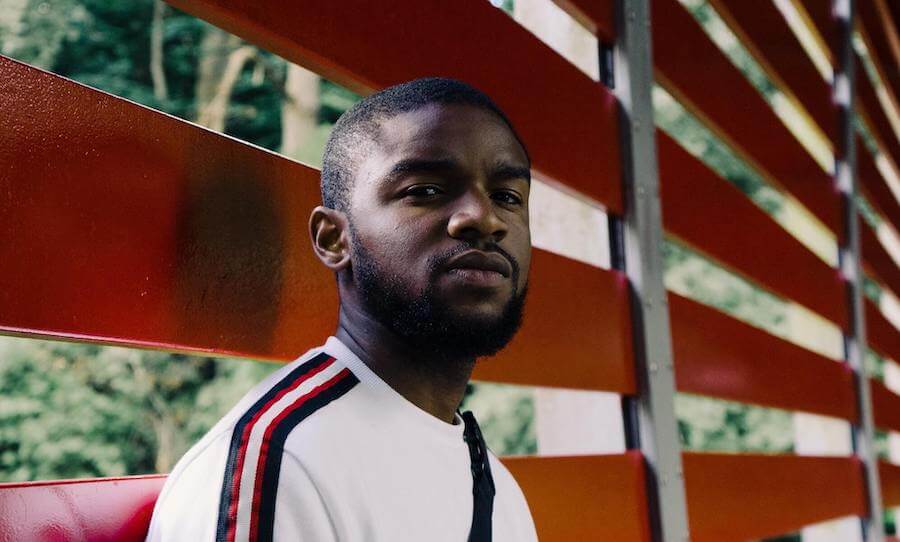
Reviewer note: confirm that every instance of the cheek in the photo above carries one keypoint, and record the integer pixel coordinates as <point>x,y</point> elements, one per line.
<point>399,252</point>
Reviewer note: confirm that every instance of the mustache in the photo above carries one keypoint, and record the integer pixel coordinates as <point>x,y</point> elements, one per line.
<point>437,262</point>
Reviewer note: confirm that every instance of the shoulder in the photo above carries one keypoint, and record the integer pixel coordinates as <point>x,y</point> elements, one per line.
<point>234,470</point>
<point>512,516</point>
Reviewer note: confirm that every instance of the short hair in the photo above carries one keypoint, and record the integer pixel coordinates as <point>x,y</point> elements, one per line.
<point>358,127</point>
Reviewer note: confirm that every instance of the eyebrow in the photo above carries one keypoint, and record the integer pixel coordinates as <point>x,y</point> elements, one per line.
<point>504,171</point>
<point>413,166</point>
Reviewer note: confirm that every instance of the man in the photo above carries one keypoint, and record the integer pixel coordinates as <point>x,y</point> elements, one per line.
<point>425,224</point>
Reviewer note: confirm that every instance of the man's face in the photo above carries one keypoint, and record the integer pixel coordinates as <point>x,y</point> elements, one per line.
<point>440,243</point>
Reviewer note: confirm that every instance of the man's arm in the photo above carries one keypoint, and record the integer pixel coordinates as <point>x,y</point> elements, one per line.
<point>188,508</point>
<point>300,511</point>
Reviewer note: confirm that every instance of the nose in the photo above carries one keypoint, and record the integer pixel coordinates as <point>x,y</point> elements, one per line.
<point>475,218</point>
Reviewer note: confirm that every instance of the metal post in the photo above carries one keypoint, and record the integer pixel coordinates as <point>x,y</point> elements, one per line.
<point>849,255</point>
<point>652,426</point>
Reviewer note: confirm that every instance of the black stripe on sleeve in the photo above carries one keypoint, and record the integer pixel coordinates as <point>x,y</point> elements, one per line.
<point>272,469</point>
<point>234,449</point>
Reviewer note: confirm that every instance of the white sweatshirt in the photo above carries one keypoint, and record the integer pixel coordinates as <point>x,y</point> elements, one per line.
<point>324,450</point>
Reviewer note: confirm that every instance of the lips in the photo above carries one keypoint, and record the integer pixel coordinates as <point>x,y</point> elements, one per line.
<point>481,261</point>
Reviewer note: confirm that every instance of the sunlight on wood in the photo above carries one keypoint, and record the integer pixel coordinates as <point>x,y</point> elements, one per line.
<point>806,34</point>
<point>884,98</point>
<point>797,220</point>
<point>807,133</point>
<point>577,422</point>
<point>821,435</point>
<point>556,28</point>
<point>813,332</point>
<point>566,225</point>
<point>890,307</point>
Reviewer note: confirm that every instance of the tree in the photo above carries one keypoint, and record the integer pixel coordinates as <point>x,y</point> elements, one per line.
<point>78,410</point>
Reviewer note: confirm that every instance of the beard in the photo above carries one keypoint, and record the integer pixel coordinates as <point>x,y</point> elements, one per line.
<point>426,323</point>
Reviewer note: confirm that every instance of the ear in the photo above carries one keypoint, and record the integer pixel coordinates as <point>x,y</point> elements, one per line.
<point>328,230</point>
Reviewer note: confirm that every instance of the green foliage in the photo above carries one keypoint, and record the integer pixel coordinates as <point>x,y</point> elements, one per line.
<point>691,274</point>
<point>731,46</point>
<point>871,289</point>
<point>696,138</point>
<point>335,99</point>
<point>79,410</point>
<point>506,416</point>
<point>712,424</point>
<point>875,365</point>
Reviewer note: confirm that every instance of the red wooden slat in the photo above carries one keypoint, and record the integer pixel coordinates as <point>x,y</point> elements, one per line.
<point>889,474</point>
<point>875,20</point>
<point>578,315</point>
<point>719,356</point>
<point>610,492</point>
<point>877,119</point>
<point>586,497</point>
<point>875,187</point>
<point>124,225</point>
<point>878,263</point>
<point>765,33</point>
<point>881,334</point>
<point>736,497</point>
<point>598,16</point>
<point>100,509</point>
<point>691,67</point>
<point>885,406</point>
<point>714,216</point>
<point>894,10</point>
<point>568,121</point>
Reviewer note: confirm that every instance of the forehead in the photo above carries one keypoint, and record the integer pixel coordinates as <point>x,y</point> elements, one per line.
<point>455,130</point>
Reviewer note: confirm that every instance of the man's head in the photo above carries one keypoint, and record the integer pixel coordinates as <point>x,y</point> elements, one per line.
<point>425,218</point>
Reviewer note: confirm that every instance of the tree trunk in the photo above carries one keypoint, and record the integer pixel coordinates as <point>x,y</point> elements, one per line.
<point>165,430</point>
<point>157,72</point>
<point>215,49</point>
<point>299,112</point>
<point>215,112</point>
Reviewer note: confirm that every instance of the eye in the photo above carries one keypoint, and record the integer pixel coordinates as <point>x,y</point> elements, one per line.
<point>508,197</point>
<point>423,191</point>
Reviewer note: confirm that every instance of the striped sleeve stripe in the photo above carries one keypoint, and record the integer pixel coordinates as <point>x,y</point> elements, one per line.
<point>268,471</point>
<point>228,502</point>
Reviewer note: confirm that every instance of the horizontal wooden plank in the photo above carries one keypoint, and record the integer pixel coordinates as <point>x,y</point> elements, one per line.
<point>885,406</point>
<point>764,31</point>
<point>568,121</point>
<point>610,492</point>
<point>889,475</point>
<point>875,116</point>
<point>124,225</point>
<point>585,497</point>
<point>693,69</point>
<point>736,497</point>
<point>875,188</point>
<point>577,316</point>
<point>881,334</point>
<point>876,260</point>
<point>716,218</point>
<point>894,10</point>
<point>720,356</point>
<point>597,16</point>
<point>875,22</point>
<point>93,509</point>
<point>818,13</point>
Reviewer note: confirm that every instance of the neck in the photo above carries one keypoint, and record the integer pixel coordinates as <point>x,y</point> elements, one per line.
<point>436,386</point>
